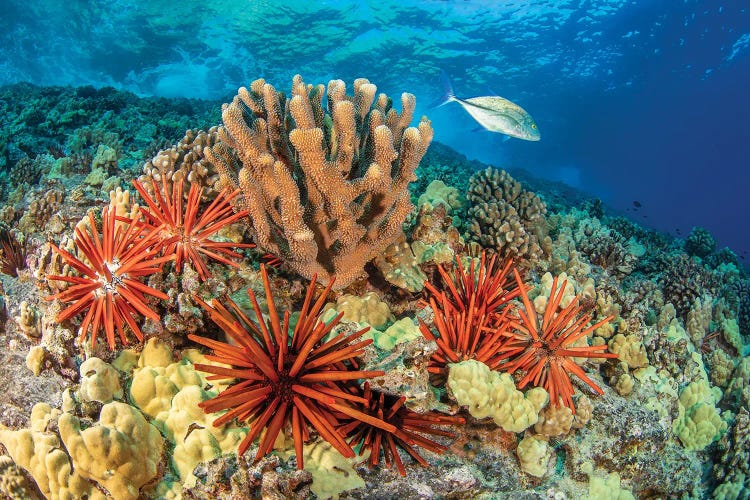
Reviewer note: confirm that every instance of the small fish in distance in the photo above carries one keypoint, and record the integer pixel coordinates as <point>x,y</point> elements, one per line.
<point>495,113</point>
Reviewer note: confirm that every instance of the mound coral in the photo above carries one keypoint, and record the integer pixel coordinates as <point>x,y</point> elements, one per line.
<point>546,350</point>
<point>487,393</point>
<point>285,377</point>
<point>504,216</point>
<point>110,286</point>
<point>326,187</point>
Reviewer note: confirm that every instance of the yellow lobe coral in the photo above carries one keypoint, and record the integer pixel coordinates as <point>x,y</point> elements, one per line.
<point>534,454</point>
<point>699,423</point>
<point>487,393</point>
<point>99,382</point>
<point>121,452</point>
<point>169,392</point>
<point>42,454</point>
<point>368,309</point>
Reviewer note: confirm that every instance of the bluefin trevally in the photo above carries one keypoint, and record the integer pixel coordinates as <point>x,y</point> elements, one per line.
<point>495,113</point>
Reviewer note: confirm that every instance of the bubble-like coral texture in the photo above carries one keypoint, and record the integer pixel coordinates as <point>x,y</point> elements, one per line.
<point>699,422</point>
<point>487,393</point>
<point>122,452</point>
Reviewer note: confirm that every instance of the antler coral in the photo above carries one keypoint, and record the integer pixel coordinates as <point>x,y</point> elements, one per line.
<point>326,189</point>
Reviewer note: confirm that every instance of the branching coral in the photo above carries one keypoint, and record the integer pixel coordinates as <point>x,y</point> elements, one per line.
<point>546,350</point>
<point>285,377</point>
<point>187,230</point>
<point>326,187</point>
<point>110,285</point>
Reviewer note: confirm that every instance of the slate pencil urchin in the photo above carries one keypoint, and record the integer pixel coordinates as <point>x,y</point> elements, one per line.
<point>285,378</point>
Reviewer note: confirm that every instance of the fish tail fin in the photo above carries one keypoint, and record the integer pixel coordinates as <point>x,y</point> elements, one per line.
<point>448,94</point>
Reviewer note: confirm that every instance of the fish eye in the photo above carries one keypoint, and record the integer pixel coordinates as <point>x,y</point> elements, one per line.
<point>533,126</point>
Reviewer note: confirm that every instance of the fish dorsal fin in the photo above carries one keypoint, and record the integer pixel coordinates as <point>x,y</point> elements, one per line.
<point>448,94</point>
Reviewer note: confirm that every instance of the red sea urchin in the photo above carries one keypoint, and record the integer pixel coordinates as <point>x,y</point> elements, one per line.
<point>110,285</point>
<point>544,349</point>
<point>408,430</point>
<point>12,253</point>
<point>470,317</point>
<point>285,378</point>
<point>186,231</point>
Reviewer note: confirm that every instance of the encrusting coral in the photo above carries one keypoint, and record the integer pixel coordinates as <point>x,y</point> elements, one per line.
<point>327,194</point>
<point>679,323</point>
<point>122,452</point>
<point>487,393</point>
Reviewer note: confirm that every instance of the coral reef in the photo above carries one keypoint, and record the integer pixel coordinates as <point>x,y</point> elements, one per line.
<point>479,357</point>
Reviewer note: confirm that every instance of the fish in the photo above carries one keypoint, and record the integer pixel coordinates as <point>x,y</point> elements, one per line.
<point>494,113</point>
<point>637,204</point>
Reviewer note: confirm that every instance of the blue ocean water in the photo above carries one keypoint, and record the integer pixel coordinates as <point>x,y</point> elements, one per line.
<point>641,101</point>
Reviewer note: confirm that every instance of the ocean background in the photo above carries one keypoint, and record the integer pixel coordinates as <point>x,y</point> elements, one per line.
<point>643,110</point>
<point>637,101</point>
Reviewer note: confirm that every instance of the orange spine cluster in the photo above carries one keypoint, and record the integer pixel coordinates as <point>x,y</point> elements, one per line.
<point>127,250</point>
<point>475,319</point>
<point>306,379</point>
